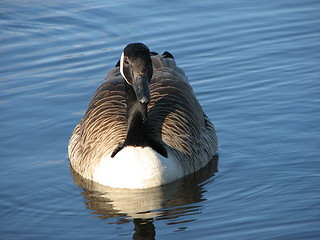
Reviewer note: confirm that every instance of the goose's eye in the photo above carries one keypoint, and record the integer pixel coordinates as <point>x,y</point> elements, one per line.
<point>126,61</point>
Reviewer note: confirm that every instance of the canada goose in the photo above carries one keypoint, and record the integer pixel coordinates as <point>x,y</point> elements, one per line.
<point>144,126</point>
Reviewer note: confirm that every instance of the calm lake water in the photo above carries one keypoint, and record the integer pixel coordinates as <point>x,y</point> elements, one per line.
<point>255,68</point>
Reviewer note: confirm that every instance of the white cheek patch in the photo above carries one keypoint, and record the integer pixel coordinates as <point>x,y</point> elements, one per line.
<point>121,67</point>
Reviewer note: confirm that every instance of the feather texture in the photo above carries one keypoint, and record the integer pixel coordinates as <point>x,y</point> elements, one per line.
<point>175,119</point>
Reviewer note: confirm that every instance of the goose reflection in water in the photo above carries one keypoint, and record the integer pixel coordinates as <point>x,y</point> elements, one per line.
<point>169,202</point>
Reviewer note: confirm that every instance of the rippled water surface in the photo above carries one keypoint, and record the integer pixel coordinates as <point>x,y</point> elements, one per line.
<point>254,66</point>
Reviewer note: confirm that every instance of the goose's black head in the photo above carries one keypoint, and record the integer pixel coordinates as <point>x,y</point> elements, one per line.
<point>136,69</point>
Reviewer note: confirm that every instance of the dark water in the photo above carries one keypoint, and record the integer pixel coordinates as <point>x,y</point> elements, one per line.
<point>254,66</point>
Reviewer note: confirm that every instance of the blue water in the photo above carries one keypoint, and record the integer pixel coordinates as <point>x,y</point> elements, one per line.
<point>254,66</point>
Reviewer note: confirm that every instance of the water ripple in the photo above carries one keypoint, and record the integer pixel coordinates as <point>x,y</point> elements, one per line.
<point>254,69</point>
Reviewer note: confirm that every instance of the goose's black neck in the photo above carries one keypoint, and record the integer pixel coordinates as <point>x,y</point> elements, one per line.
<point>137,125</point>
<point>137,120</point>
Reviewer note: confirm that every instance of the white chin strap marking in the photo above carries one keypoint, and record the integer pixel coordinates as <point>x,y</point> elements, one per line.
<point>121,67</point>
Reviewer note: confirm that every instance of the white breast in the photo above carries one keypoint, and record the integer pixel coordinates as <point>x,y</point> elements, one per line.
<point>137,167</point>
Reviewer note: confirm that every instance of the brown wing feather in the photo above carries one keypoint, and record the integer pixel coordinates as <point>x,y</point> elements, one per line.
<point>176,118</point>
<point>103,126</point>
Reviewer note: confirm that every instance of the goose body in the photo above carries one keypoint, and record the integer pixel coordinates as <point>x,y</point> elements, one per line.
<point>144,126</point>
